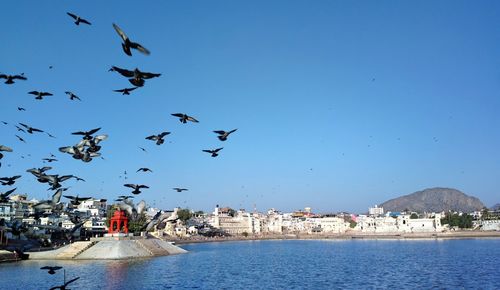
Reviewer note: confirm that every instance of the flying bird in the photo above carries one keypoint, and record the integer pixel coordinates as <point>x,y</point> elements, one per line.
<point>183,118</point>
<point>214,152</point>
<point>78,19</point>
<point>144,169</point>
<point>87,135</point>
<point>143,149</point>
<point>72,96</point>
<point>136,187</point>
<point>179,189</point>
<point>158,138</point>
<point>40,95</point>
<point>10,78</point>
<point>20,139</point>
<point>8,181</point>
<point>49,160</point>
<point>21,109</point>
<point>223,134</point>
<point>127,44</point>
<point>125,91</point>
<point>3,196</point>
<point>29,129</point>
<point>52,269</point>
<point>136,77</point>
<point>75,200</point>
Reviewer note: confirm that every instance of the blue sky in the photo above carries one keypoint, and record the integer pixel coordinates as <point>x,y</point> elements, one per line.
<point>339,105</point>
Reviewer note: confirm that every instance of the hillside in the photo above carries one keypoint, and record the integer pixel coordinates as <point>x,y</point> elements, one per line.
<point>434,200</point>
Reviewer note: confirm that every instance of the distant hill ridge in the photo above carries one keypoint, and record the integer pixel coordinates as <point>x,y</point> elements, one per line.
<point>434,200</point>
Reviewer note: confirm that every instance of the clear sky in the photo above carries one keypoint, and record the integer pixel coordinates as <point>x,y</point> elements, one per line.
<point>339,105</point>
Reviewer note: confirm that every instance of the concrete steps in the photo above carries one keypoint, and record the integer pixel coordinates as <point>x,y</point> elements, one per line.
<point>74,250</point>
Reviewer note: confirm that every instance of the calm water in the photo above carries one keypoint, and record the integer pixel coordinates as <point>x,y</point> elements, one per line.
<point>349,264</point>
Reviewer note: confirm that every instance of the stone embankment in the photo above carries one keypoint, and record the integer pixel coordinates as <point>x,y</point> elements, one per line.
<point>110,249</point>
<point>6,256</point>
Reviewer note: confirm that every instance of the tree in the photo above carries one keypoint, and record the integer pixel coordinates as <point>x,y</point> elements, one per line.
<point>414,216</point>
<point>184,214</point>
<point>231,212</point>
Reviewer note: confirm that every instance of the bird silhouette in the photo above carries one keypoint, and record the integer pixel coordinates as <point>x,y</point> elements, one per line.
<point>144,169</point>
<point>8,181</point>
<point>40,95</point>
<point>78,19</point>
<point>21,109</point>
<point>127,44</point>
<point>30,129</point>
<point>52,269</point>
<point>125,91</point>
<point>136,187</point>
<point>49,160</point>
<point>223,134</point>
<point>87,135</point>
<point>135,77</point>
<point>3,196</point>
<point>10,78</point>
<point>214,152</point>
<point>72,96</point>
<point>20,139</point>
<point>158,138</point>
<point>183,118</point>
<point>179,189</point>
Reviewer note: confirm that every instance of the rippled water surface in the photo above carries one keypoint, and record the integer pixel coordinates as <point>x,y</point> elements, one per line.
<point>337,264</point>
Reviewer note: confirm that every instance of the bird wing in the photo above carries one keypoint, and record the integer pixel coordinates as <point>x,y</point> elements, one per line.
<point>141,206</point>
<point>45,94</point>
<point>5,148</point>
<point>189,118</point>
<point>208,151</point>
<point>232,131</point>
<point>3,76</point>
<point>36,130</point>
<point>33,93</point>
<point>56,197</point>
<point>152,137</point>
<point>218,149</point>
<point>140,48</point>
<point>24,125</point>
<point>146,75</point>
<point>120,32</point>
<point>85,21</point>
<point>72,15</point>
<point>163,134</point>
<point>19,77</point>
<point>142,186</point>
<point>119,91</point>
<point>130,185</point>
<point>70,196</point>
<point>93,131</point>
<point>220,132</point>
<point>180,115</point>
<point>124,72</point>
<point>67,149</point>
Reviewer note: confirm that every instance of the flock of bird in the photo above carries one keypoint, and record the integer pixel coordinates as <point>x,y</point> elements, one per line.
<point>87,148</point>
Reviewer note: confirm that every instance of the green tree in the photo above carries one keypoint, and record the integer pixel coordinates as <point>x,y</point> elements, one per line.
<point>414,216</point>
<point>184,214</point>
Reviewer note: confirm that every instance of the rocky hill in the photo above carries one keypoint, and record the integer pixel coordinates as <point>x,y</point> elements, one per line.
<point>495,207</point>
<point>434,200</point>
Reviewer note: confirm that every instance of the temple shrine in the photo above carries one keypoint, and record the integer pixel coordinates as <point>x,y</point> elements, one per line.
<point>118,223</point>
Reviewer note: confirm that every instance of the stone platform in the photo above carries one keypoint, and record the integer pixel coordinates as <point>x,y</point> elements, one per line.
<point>110,248</point>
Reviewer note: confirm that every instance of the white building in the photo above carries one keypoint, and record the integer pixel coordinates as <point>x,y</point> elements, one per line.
<point>375,211</point>
<point>242,222</point>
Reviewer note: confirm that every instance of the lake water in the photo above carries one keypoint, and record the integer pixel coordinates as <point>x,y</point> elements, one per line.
<point>291,264</point>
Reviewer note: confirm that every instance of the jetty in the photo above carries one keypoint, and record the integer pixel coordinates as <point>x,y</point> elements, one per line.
<point>110,248</point>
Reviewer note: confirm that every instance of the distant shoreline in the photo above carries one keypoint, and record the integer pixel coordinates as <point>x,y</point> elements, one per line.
<point>346,236</point>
